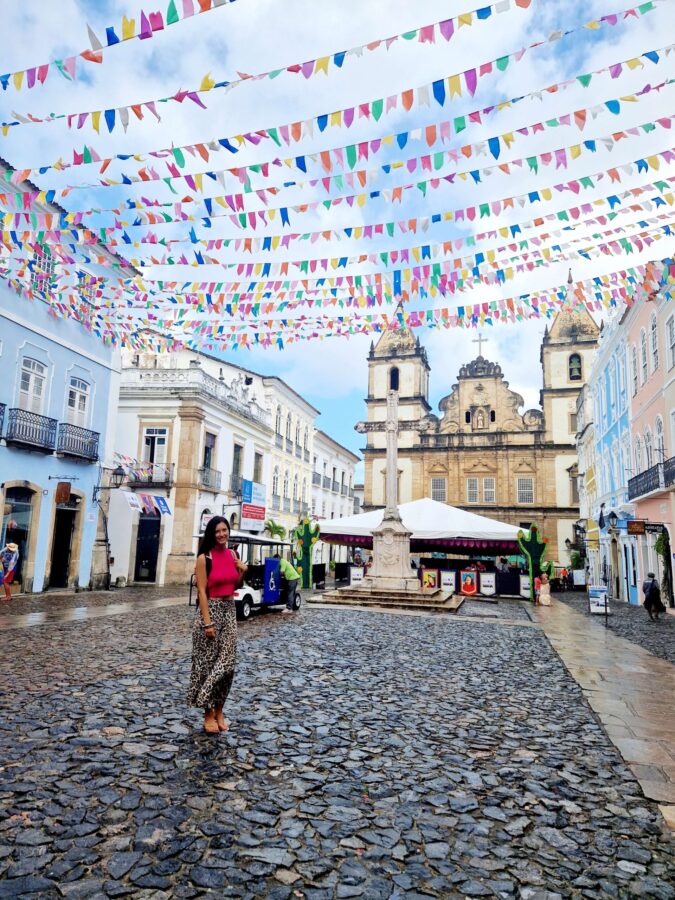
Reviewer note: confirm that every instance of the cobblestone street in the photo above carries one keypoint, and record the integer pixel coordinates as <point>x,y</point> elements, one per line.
<point>370,754</point>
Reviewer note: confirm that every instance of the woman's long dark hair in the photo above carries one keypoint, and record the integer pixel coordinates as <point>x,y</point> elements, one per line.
<point>208,541</point>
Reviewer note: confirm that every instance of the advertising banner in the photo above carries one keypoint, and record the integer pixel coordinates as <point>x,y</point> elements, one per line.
<point>253,512</point>
<point>597,599</point>
<point>163,506</point>
<point>449,581</point>
<point>356,574</point>
<point>488,584</point>
<point>133,500</point>
<point>525,586</point>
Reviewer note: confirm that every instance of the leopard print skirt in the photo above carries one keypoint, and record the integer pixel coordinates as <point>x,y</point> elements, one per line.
<point>213,659</point>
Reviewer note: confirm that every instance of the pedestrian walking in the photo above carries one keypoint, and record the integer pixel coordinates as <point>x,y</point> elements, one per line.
<point>9,557</point>
<point>214,633</point>
<point>652,591</point>
<point>291,577</point>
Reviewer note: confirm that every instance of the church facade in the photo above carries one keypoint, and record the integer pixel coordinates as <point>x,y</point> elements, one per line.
<point>481,453</point>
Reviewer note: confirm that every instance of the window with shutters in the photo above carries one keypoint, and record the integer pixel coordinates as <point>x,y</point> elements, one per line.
<point>42,270</point>
<point>654,340</point>
<point>643,355</point>
<point>438,490</point>
<point>670,341</point>
<point>154,445</point>
<point>634,369</point>
<point>489,490</point>
<point>472,490</point>
<point>525,490</point>
<point>32,385</point>
<point>78,402</point>
<point>258,467</point>
<point>275,481</point>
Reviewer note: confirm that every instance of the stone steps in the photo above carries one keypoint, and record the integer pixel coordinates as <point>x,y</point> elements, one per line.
<point>438,601</point>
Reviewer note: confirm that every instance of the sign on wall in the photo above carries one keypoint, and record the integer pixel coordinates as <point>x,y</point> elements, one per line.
<point>635,526</point>
<point>356,574</point>
<point>488,584</point>
<point>253,512</point>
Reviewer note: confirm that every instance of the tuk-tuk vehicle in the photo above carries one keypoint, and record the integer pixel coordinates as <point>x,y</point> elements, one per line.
<point>264,587</point>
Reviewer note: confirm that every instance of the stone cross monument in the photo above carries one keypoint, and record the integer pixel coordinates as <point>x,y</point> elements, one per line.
<point>391,540</point>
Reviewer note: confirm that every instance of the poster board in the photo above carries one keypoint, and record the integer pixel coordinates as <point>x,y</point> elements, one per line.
<point>468,582</point>
<point>356,574</point>
<point>525,586</point>
<point>449,581</point>
<point>430,580</point>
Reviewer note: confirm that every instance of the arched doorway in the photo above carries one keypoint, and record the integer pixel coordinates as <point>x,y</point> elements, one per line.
<point>66,541</point>
<point>19,522</point>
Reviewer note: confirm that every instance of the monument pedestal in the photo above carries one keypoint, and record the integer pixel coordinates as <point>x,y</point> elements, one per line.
<point>391,558</point>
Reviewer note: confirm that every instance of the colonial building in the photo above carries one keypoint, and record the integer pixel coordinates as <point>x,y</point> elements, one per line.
<point>482,453</point>
<point>587,537</point>
<point>332,488</point>
<point>58,386</point>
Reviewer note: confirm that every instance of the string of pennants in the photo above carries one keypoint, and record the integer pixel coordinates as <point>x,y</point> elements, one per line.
<point>441,90</point>
<point>277,303</point>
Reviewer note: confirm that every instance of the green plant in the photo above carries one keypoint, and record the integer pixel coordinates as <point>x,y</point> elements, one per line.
<point>306,534</point>
<point>275,530</point>
<point>534,549</point>
<point>662,545</point>
<point>576,560</point>
<point>331,565</point>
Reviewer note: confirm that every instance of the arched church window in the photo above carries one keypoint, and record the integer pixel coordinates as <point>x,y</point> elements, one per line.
<point>575,367</point>
<point>467,417</point>
<point>493,415</point>
<point>275,481</point>
<point>393,379</point>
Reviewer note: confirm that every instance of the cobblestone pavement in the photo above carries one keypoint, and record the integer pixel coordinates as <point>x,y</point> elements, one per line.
<point>633,624</point>
<point>50,601</point>
<point>370,755</point>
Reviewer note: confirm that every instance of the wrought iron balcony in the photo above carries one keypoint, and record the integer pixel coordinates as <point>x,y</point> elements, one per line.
<point>236,483</point>
<point>647,482</point>
<point>287,504</point>
<point>326,482</point>
<point>156,475</point>
<point>669,471</point>
<point>28,429</point>
<point>316,478</point>
<point>78,442</point>
<point>276,502</point>
<point>289,445</point>
<point>279,440</point>
<point>298,451</point>
<point>211,479</point>
<point>2,417</point>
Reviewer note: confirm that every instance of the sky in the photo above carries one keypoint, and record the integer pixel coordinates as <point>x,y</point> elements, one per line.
<point>254,36</point>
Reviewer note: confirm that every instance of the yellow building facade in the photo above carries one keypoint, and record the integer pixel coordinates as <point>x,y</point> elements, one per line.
<point>482,453</point>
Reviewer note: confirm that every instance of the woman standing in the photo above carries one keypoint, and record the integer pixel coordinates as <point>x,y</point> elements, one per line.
<point>544,590</point>
<point>214,635</point>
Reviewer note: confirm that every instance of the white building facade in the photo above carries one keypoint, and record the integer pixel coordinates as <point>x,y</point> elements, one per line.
<point>332,489</point>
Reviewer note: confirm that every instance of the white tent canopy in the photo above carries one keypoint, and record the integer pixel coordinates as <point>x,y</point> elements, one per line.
<point>429,521</point>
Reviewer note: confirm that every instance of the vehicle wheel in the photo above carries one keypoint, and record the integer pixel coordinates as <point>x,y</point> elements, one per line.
<point>297,600</point>
<point>245,609</point>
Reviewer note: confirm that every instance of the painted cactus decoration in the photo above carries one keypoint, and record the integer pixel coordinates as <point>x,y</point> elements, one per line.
<point>534,548</point>
<point>306,534</point>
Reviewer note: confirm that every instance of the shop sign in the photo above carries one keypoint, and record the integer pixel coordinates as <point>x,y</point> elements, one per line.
<point>253,512</point>
<point>653,528</point>
<point>635,526</point>
<point>62,492</point>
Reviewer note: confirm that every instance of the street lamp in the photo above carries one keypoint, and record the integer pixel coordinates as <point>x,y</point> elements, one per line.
<point>117,476</point>
<point>612,519</point>
<point>613,531</point>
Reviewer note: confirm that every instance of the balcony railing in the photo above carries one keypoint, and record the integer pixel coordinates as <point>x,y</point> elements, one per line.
<point>211,479</point>
<point>669,471</point>
<point>298,451</point>
<point>287,504</point>
<point>28,429</point>
<point>276,502</point>
<point>289,445</point>
<point>646,482</point>
<point>316,478</point>
<point>306,452</point>
<point>279,440</point>
<point>336,487</point>
<point>158,475</point>
<point>326,482</point>
<point>236,483</point>
<point>77,442</point>
<point>2,417</point>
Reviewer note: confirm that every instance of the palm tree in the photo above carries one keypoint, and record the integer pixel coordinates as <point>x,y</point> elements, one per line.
<point>275,530</point>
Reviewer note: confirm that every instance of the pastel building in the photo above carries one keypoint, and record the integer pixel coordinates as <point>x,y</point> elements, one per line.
<point>608,384</point>
<point>58,387</point>
<point>650,338</point>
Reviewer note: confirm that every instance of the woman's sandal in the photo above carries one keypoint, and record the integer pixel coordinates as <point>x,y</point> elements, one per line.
<point>211,727</point>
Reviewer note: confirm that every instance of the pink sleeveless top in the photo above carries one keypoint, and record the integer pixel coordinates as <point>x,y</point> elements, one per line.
<point>223,576</point>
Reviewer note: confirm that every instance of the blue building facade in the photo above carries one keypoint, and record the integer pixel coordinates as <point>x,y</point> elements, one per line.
<point>58,390</point>
<point>609,386</point>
